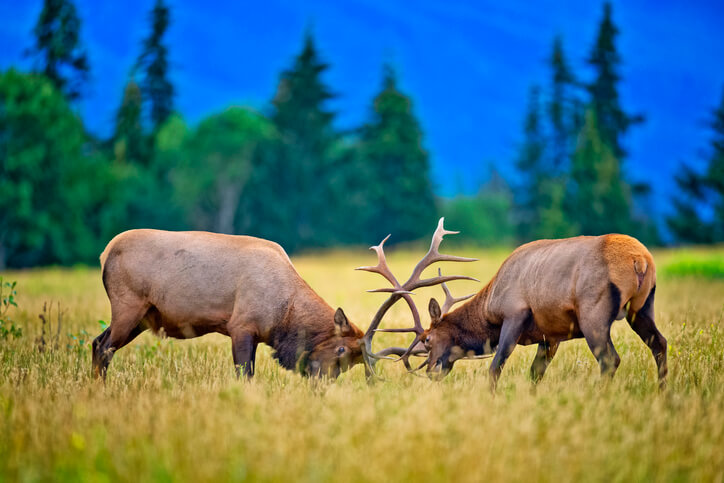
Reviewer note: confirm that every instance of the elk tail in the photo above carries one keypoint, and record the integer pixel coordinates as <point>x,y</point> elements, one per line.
<point>641,267</point>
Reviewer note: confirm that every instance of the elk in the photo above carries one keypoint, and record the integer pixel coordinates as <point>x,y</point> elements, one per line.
<point>187,284</point>
<point>546,292</point>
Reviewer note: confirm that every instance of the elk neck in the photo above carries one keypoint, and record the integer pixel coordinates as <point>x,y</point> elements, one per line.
<point>307,322</point>
<point>469,327</point>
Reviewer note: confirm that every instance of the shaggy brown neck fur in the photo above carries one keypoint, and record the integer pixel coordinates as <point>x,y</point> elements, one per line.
<point>468,326</point>
<point>308,322</point>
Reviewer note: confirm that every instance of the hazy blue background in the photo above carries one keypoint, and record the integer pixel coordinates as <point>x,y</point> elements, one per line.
<point>467,66</point>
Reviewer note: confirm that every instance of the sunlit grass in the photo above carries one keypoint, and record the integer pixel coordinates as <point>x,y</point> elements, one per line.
<point>172,410</point>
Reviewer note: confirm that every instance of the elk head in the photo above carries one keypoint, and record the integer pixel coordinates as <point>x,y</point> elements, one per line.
<point>335,352</point>
<point>454,336</point>
<point>405,291</point>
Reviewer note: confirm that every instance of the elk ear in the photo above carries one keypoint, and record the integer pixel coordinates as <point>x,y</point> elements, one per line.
<point>341,324</point>
<point>435,312</point>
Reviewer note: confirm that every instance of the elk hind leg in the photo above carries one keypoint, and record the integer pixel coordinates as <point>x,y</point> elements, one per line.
<point>642,322</point>
<point>595,321</point>
<point>601,345</point>
<point>543,357</point>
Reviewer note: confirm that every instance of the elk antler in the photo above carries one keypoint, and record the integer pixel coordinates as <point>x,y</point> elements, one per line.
<point>404,291</point>
<point>449,299</point>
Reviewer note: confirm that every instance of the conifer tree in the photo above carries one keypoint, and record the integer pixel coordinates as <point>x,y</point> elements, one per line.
<point>531,165</point>
<point>58,48</point>
<point>305,155</point>
<point>699,209</point>
<point>540,194</point>
<point>153,62</point>
<point>129,142</point>
<point>300,104</point>
<point>599,199</point>
<point>397,167</point>
<point>613,121</point>
<point>561,107</point>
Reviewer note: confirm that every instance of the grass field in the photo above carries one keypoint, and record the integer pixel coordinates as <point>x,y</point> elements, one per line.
<point>173,410</point>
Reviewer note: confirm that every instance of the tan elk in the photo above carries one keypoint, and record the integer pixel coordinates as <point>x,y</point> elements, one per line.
<point>545,292</point>
<point>187,284</point>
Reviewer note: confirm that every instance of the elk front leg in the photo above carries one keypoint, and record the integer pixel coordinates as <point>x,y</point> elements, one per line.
<point>543,357</point>
<point>125,326</point>
<point>509,335</point>
<point>243,347</point>
<point>100,365</point>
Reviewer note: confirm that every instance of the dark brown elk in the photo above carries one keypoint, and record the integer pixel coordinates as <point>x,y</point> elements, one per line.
<point>544,293</point>
<point>187,284</point>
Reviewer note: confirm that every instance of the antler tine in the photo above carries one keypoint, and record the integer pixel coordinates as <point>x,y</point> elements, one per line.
<point>428,282</point>
<point>449,299</point>
<point>424,363</point>
<point>382,268</point>
<point>433,255</point>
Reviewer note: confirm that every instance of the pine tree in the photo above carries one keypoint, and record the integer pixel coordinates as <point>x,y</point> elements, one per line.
<point>129,142</point>
<point>612,124</point>
<point>561,106</point>
<point>153,61</point>
<point>599,199</point>
<point>300,111</point>
<point>58,48</point>
<point>699,209</point>
<point>396,167</point>
<point>531,165</point>
<point>305,155</point>
<point>613,121</point>
<point>540,195</point>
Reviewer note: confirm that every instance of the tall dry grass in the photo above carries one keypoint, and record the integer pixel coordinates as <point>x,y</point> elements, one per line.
<point>172,410</point>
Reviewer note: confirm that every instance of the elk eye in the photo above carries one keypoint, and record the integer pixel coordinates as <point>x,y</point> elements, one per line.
<point>427,339</point>
<point>341,350</point>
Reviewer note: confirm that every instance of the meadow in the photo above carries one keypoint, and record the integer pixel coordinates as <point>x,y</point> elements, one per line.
<point>173,410</point>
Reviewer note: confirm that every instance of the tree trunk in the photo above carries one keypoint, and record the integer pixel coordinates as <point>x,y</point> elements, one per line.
<point>228,202</point>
